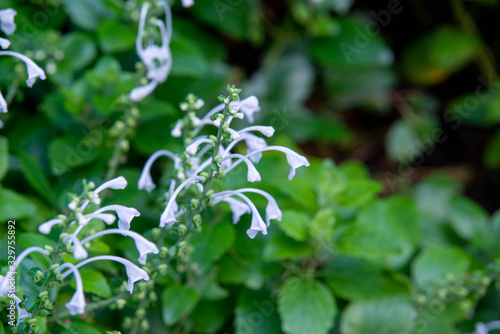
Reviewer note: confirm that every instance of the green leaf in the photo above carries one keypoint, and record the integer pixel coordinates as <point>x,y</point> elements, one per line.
<point>491,155</point>
<point>280,247</point>
<point>435,56</point>
<point>15,206</point>
<point>87,14</point>
<point>434,263</point>
<point>468,218</point>
<point>210,317</point>
<point>402,142</point>
<point>115,37</point>
<point>35,177</point>
<point>79,51</point>
<point>433,196</point>
<point>323,224</point>
<point>386,231</point>
<point>306,306</point>
<point>357,279</point>
<point>358,192</point>
<point>295,224</point>
<point>95,282</point>
<point>211,244</point>
<point>66,153</point>
<point>256,313</point>
<point>206,286</point>
<point>177,301</point>
<point>187,57</point>
<point>4,156</point>
<point>390,315</point>
<point>78,327</point>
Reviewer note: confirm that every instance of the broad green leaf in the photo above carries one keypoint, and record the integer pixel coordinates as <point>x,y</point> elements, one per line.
<point>356,279</point>
<point>433,264</point>
<point>69,152</point>
<point>468,218</point>
<point>211,245</point>
<point>256,313</point>
<point>358,192</point>
<point>323,224</point>
<point>79,327</point>
<point>280,247</point>
<point>206,286</point>
<point>95,282</point>
<point>389,315</point>
<point>306,306</point>
<point>386,231</point>
<point>87,14</point>
<point>209,316</point>
<point>331,182</point>
<point>177,301</point>
<point>438,54</point>
<point>79,51</point>
<point>15,206</point>
<point>4,156</point>
<point>295,224</point>
<point>35,177</point>
<point>115,37</point>
<point>433,196</point>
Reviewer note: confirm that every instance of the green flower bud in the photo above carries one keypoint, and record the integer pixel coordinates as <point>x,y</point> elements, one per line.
<point>182,229</point>
<point>162,268</point>
<point>120,303</point>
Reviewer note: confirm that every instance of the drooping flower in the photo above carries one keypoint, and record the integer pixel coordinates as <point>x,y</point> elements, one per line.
<point>192,148</point>
<point>145,181</point>
<point>77,303</point>
<point>143,245</point>
<point>482,328</point>
<point>157,59</point>
<point>7,24</point>
<point>272,209</point>
<point>257,225</point>
<point>47,226</point>
<point>134,273</point>
<point>168,216</point>
<point>125,214</point>
<point>34,71</point>
<point>238,208</point>
<point>4,43</point>
<point>252,174</point>
<point>187,3</point>
<point>117,183</point>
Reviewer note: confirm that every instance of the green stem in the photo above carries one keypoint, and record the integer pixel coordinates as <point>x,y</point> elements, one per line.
<point>90,307</point>
<point>117,150</point>
<point>14,86</point>
<point>485,60</point>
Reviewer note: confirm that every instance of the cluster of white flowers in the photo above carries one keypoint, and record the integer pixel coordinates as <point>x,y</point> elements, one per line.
<point>8,26</point>
<point>199,157</point>
<point>156,58</point>
<point>78,247</point>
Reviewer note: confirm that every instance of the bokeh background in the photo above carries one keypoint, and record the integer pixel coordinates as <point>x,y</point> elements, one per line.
<point>393,228</point>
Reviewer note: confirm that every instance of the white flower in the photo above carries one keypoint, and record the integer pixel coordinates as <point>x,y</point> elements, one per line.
<point>3,104</point>
<point>187,3</point>
<point>79,252</point>
<point>485,328</point>
<point>117,183</point>
<point>47,226</point>
<point>267,131</point>
<point>158,59</point>
<point>234,134</point>
<point>34,71</point>
<point>193,148</point>
<point>125,214</point>
<point>22,314</point>
<point>177,130</point>
<point>77,303</point>
<point>257,225</point>
<point>248,106</point>
<point>294,159</point>
<point>145,181</point>
<point>134,273</point>
<point>252,174</point>
<point>237,208</point>
<point>143,245</point>
<point>4,281</point>
<point>272,209</point>
<point>81,219</point>
<point>107,218</point>
<point>7,24</point>
<point>4,43</point>
<point>254,143</point>
<point>168,216</point>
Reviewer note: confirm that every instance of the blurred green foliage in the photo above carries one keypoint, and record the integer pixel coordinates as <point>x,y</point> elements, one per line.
<point>343,259</point>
